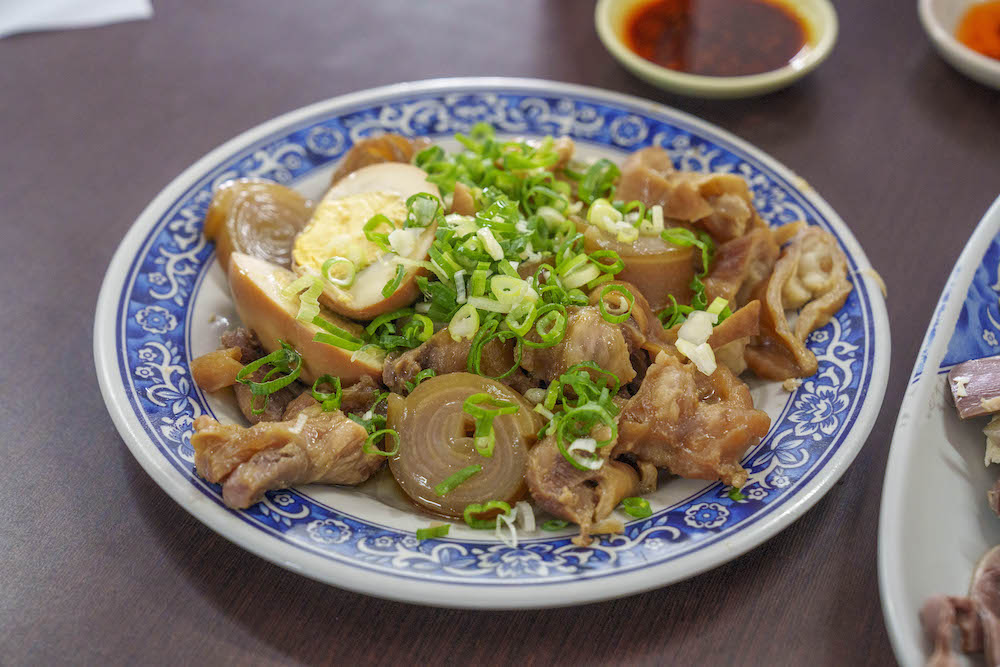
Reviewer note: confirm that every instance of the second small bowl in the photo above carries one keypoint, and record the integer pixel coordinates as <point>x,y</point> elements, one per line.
<point>820,19</point>
<point>940,18</point>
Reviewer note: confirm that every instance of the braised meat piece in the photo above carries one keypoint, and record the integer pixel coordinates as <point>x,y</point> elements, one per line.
<point>810,275</point>
<point>216,370</point>
<point>588,338</point>
<point>693,425</point>
<point>446,355</point>
<point>462,201</point>
<point>246,340</point>
<point>276,403</point>
<point>740,265</point>
<point>315,447</point>
<point>718,202</point>
<point>584,497</point>
<point>375,150</point>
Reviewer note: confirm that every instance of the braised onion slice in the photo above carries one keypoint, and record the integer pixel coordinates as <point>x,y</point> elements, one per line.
<point>258,218</point>
<point>436,442</point>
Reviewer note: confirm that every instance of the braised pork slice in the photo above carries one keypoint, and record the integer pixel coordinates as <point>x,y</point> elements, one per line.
<point>315,447</point>
<point>446,355</point>
<point>693,425</point>
<point>375,150</point>
<point>740,265</point>
<point>588,338</point>
<point>811,275</point>
<point>720,203</point>
<point>584,497</point>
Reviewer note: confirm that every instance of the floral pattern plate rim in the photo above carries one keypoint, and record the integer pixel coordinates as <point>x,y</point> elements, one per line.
<point>151,316</point>
<point>935,485</point>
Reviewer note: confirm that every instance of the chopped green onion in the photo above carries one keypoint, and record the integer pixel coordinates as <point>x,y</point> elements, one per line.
<point>554,524</point>
<point>344,281</point>
<point>484,437</point>
<point>520,319</point>
<point>281,361</point>
<point>420,377</point>
<point>550,325</point>
<point>637,507</point>
<point>423,209</point>
<point>736,495</point>
<point>393,285</point>
<point>370,448</point>
<point>598,181</point>
<point>330,400</point>
<point>433,532</point>
<point>449,485</point>
<point>484,524</point>
<point>717,306</point>
<point>464,324</point>
<point>617,316</point>
<point>380,239</point>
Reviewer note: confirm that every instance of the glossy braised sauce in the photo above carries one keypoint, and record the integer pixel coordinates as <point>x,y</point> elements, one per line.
<point>716,37</point>
<point>979,28</point>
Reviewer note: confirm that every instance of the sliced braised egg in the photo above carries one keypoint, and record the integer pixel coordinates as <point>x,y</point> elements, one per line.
<point>336,230</point>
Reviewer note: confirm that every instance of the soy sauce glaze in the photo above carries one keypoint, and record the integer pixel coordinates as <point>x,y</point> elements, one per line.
<point>716,37</point>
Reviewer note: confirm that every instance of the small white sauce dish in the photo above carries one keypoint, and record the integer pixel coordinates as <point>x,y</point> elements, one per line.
<point>940,19</point>
<point>819,16</point>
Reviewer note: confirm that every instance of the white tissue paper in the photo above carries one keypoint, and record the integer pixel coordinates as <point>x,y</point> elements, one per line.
<point>29,15</point>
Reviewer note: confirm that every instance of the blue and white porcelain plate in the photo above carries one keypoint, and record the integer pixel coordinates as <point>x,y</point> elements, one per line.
<point>164,302</point>
<point>935,522</point>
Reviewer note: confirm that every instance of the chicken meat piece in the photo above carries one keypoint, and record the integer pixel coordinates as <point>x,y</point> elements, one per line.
<point>315,447</point>
<point>693,425</point>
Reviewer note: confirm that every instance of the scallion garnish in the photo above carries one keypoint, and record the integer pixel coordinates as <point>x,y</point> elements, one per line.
<point>484,438</point>
<point>554,524</point>
<point>484,524</point>
<point>371,448</point>
<point>349,271</point>
<point>450,484</point>
<point>736,495</point>
<point>433,532</point>
<point>617,314</point>
<point>637,507</point>
<point>392,285</point>
<point>598,181</point>
<point>420,377</point>
<point>329,400</point>
<point>284,361</point>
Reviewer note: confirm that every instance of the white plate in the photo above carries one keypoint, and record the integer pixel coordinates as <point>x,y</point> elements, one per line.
<point>935,522</point>
<point>163,288</point>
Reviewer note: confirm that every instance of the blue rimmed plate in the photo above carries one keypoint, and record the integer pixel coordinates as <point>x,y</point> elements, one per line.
<point>935,523</point>
<point>164,301</point>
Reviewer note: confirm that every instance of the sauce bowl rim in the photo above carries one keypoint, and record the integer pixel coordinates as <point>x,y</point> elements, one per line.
<point>822,39</point>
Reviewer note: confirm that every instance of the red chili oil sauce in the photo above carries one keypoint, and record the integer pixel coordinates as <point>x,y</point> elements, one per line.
<point>716,37</point>
<point>979,28</point>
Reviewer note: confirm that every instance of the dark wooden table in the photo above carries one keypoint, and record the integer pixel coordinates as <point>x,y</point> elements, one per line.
<point>98,564</point>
